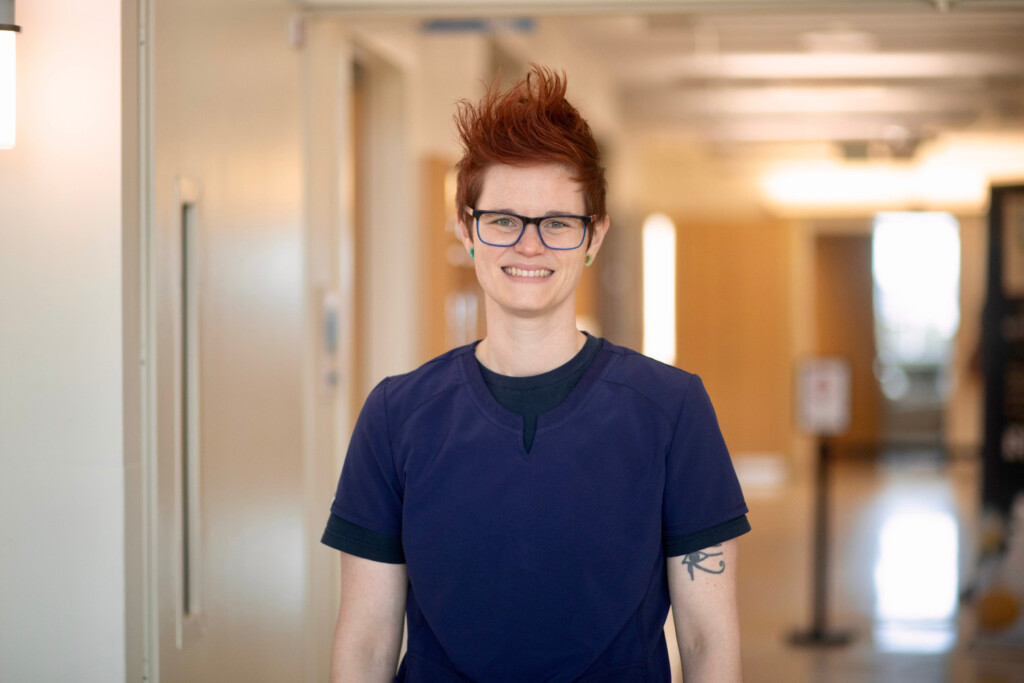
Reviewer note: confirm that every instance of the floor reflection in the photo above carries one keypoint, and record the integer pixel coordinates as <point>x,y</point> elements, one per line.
<point>919,637</point>
<point>902,549</point>
<point>916,578</point>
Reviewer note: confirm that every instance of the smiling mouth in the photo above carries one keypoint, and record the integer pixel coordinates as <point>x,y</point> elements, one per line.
<point>519,272</point>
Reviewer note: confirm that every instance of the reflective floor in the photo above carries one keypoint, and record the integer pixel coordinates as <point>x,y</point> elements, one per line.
<point>903,538</point>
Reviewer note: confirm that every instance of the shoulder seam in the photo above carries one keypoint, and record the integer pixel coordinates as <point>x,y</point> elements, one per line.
<point>621,352</point>
<point>454,386</point>
<point>451,357</point>
<point>647,398</point>
<point>686,398</point>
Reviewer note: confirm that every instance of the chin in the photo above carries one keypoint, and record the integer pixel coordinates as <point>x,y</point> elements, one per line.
<point>529,308</point>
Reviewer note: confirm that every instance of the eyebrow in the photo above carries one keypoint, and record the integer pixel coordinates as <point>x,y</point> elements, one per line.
<point>555,212</point>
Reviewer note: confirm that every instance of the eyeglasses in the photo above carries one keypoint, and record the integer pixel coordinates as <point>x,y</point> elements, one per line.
<point>501,229</point>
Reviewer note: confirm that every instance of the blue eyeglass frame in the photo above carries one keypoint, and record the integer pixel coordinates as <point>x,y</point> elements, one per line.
<point>535,220</point>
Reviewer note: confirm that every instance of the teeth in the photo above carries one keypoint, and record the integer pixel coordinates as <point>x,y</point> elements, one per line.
<point>519,272</point>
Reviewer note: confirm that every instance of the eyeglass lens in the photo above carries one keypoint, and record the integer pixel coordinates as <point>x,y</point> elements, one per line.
<point>557,232</point>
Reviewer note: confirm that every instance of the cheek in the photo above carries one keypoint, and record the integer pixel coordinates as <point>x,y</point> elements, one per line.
<point>574,267</point>
<point>483,264</point>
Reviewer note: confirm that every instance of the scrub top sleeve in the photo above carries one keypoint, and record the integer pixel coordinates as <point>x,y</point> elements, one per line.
<point>355,540</point>
<point>370,491</point>
<point>701,488</point>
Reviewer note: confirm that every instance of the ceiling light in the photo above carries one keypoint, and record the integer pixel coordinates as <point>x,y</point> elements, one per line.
<point>839,39</point>
<point>8,29</point>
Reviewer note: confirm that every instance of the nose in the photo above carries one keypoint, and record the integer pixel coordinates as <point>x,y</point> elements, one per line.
<point>530,242</point>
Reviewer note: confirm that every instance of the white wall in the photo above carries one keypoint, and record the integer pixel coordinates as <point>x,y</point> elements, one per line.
<point>61,453</point>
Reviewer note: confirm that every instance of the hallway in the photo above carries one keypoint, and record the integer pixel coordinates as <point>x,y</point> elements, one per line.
<point>223,223</point>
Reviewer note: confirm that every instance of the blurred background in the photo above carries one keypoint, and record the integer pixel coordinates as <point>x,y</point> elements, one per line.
<point>222,223</point>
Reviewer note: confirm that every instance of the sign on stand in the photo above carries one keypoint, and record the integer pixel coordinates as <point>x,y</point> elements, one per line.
<point>823,397</point>
<point>823,393</point>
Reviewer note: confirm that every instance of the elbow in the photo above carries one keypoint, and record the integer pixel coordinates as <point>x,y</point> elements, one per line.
<point>710,659</point>
<point>692,647</point>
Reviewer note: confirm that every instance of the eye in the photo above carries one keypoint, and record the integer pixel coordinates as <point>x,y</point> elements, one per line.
<point>502,220</point>
<point>562,223</point>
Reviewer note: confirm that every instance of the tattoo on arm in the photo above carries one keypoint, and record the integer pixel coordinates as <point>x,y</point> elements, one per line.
<point>693,561</point>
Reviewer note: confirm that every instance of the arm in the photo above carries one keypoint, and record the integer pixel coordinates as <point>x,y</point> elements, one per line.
<point>370,618</point>
<point>702,587</point>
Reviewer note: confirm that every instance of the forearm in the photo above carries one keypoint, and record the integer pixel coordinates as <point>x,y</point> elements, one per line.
<point>362,661</point>
<point>371,614</point>
<point>702,586</point>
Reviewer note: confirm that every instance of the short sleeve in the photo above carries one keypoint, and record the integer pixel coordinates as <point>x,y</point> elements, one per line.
<point>355,540</point>
<point>702,492</point>
<point>369,491</point>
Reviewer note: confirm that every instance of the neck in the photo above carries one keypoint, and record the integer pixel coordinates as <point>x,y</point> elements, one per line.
<point>526,347</point>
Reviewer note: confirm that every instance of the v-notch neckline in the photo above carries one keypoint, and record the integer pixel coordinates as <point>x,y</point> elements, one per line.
<point>504,417</point>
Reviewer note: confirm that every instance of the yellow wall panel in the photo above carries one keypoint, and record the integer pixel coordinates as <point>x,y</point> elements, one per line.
<point>734,324</point>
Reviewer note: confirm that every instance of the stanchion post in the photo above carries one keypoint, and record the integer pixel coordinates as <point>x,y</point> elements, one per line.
<point>818,633</point>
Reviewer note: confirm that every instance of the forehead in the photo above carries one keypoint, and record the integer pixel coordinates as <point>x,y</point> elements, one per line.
<point>540,188</point>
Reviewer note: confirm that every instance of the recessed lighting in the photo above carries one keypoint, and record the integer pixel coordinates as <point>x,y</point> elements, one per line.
<point>838,39</point>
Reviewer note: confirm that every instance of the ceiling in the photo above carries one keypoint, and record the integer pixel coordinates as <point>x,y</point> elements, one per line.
<point>874,82</point>
<point>874,77</point>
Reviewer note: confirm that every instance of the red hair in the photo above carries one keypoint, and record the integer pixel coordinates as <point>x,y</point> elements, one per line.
<point>530,123</point>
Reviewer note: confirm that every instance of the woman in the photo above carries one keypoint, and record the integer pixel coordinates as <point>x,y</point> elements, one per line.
<point>532,503</point>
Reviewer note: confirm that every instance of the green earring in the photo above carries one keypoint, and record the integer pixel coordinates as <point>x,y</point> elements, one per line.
<point>472,252</point>
<point>590,259</point>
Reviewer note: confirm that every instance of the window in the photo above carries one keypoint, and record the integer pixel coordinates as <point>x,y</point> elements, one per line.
<point>659,276</point>
<point>916,270</point>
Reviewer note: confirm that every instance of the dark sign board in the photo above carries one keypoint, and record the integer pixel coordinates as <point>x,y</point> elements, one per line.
<point>1003,351</point>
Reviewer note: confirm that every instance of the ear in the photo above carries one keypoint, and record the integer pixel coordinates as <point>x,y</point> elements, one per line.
<point>599,230</point>
<point>464,230</point>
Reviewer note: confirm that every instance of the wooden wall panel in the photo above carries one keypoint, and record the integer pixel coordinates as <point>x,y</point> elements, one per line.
<point>844,313</point>
<point>734,325</point>
<point>447,269</point>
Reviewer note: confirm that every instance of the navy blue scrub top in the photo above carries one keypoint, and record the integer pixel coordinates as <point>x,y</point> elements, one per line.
<point>539,564</point>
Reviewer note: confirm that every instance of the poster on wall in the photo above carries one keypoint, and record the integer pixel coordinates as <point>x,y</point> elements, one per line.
<point>1000,607</point>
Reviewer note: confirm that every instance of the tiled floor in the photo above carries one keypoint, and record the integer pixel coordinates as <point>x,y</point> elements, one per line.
<point>903,537</point>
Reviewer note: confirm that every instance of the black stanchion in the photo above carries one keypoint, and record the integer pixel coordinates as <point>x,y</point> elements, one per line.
<point>819,634</point>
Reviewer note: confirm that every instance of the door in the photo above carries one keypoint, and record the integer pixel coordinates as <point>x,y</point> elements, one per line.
<point>230,550</point>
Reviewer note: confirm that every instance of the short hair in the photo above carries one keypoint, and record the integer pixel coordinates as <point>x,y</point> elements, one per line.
<point>530,123</point>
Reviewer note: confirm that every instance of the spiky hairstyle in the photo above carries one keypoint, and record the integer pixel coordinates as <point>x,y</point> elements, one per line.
<point>530,123</point>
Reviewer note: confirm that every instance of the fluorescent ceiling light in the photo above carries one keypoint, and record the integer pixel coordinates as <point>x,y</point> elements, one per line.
<point>8,30</point>
<point>801,65</point>
<point>829,184</point>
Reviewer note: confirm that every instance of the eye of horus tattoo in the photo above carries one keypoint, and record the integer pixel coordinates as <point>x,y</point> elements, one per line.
<point>693,561</point>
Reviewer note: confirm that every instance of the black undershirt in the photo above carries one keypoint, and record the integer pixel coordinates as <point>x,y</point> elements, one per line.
<point>531,396</point>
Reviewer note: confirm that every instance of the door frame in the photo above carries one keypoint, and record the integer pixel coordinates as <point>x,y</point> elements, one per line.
<point>139,348</point>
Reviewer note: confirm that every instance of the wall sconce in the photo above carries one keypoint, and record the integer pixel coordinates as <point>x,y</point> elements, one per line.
<point>7,81</point>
